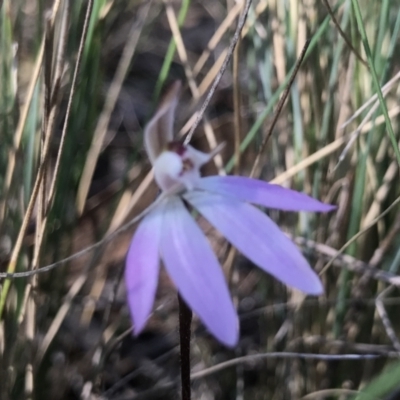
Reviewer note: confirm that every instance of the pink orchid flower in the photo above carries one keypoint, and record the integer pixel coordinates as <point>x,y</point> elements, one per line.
<point>169,232</point>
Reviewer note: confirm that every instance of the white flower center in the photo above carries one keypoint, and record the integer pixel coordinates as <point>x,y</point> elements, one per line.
<point>179,165</point>
<point>168,167</point>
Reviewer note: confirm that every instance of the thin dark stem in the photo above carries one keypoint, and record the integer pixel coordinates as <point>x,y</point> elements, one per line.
<point>279,107</point>
<point>185,319</point>
<point>342,34</point>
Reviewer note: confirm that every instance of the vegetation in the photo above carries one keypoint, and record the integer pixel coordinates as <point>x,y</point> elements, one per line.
<point>79,80</point>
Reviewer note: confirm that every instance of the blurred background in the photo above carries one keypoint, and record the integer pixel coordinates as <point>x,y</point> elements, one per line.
<point>78,82</point>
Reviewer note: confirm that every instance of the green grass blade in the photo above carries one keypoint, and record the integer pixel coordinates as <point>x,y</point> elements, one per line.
<point>375,79</point>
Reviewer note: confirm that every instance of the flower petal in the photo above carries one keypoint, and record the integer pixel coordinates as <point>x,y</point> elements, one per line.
<point>142,267</point>
<point>197,158</point>
<point>262,193</point>
<point>258,238</point>
<point>159,130</point>
<point>196,272</point>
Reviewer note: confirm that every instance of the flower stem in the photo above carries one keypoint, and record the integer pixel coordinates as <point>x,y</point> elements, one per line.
<point>185,319</point>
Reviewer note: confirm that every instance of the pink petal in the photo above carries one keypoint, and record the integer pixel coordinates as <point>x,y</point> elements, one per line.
<point>196,272</point>
<point>262,193</point>
<point>258,238</point>
<point>159,130</point>
<point>197,158</point>
<point>142,267</point>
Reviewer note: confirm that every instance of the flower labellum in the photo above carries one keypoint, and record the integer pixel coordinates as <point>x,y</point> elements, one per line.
<point>169,233</point>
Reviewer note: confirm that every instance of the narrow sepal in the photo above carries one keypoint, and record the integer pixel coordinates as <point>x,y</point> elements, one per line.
<point>262,193</point>
<point>160,129</point>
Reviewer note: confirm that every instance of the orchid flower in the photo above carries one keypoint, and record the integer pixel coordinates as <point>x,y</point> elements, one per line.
<point>169,232</point>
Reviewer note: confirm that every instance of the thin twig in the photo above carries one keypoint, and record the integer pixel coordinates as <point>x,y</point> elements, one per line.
<point>111,99</point>
<point>342,34</point>
<point>210,94</point>
<point>161,387</point>
<point>210,136</point>
<point>86,250</point>
<point>328,149</point>
<point>216,38</point>
<point>345,261</point>
<point>279,107</point>
<point>389,85</point>
<point>237,106</point>
<point>52,79</point>
<point>24,115</point>
<point>385,318</point>
<point>287,355</point>
<point>40,174</point>
<point>395,280</point>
